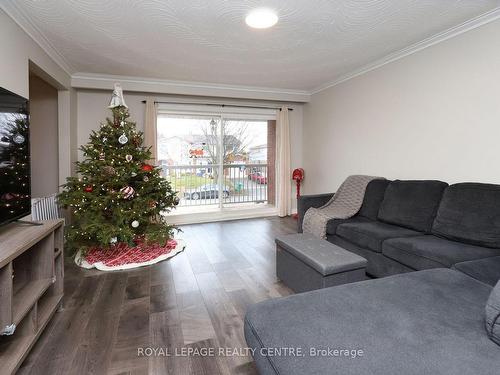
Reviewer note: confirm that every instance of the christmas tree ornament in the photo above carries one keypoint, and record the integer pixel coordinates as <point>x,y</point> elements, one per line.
<point>113,240</point>
<point>88,189</point>
<point>123,139</point>
<point>104,139</point>
<point>127,192</point>
<point>117,99</point>
<point>146,178</point>
<point>128,158</point>
<point>108,170</point>
<point>133,174</point>
<point>19,138</point>
<point>135,224</point>
<point>147,168</point>
<point>102,156</point>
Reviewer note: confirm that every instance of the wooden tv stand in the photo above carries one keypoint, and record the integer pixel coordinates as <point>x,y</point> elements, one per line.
<point>31,286</point>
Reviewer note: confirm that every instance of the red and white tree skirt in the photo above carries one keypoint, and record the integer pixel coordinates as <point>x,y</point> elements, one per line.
<point>123,257</point>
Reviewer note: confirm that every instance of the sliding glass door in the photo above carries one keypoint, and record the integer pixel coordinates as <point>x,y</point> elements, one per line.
<point>188,153</point>
<point>245,163</point>
<point>218,160</point>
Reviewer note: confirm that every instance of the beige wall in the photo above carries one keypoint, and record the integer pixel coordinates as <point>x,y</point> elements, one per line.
<point>18,49</point>
<point>20,55</point>
<point>44,138</point>
<point>92,109</point>
<point>433,114</point>
<point>68,147</point>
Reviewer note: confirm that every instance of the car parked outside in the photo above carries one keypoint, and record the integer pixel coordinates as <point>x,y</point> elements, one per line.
<point>258,177</point>
<point>209,191</point>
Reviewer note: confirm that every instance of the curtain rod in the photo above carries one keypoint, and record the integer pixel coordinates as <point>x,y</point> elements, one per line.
<point>221,105</point>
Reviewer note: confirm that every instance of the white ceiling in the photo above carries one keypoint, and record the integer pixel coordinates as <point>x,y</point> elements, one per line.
<point>314,42</point>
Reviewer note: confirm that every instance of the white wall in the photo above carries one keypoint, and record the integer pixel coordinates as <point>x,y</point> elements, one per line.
<point>92,110</point>
<point>431,115</point>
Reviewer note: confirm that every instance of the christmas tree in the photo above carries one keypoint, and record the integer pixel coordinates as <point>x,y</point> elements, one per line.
<point>118,195</point>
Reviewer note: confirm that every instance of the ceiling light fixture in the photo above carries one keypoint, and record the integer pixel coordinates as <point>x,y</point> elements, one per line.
<point>261,18</point>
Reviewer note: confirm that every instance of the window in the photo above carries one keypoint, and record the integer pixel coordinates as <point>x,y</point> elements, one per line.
<point>218,159</point>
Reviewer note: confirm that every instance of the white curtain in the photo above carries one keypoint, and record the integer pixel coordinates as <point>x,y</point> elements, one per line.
<point>150,135</point>
<point>284,183</point>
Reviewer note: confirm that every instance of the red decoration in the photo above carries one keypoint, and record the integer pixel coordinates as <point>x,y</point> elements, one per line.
<point>298,177</point>
<point>88,189</point>
<point>128,192</point>
<point>147,168</point>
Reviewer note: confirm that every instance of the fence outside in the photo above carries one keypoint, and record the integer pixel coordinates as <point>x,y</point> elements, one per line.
<point>198,185</point>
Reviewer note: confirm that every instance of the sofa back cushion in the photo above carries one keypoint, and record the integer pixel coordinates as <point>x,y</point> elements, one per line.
<point>493,315</point>
<point>374,195</point>
<point>412,204</point>
<point>470,213</point>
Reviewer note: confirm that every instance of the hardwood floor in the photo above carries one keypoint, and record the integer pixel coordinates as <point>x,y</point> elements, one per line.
<point>194,301</point>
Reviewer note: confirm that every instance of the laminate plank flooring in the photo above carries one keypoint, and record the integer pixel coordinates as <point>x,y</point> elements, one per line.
<point>193,302</point>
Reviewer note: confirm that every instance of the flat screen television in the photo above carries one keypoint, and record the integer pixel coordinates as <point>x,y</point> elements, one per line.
<point>15,187</point>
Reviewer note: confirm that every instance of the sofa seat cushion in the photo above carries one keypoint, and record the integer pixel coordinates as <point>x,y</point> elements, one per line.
<point>469,212</point>
<point>378,264</point>
<point>486,270</point>
<point>430,251</point>
<point>428,322</point>
<point>371,234</point>
<point>412,204</point>
<point>332,225</point>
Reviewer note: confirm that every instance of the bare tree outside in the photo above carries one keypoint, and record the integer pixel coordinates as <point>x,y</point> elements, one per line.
<point>236,140</point>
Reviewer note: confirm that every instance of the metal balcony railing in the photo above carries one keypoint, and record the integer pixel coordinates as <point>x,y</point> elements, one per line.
<point>199,185</point>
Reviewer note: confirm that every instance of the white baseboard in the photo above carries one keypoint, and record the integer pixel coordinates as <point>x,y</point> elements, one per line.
<point>218,215</point>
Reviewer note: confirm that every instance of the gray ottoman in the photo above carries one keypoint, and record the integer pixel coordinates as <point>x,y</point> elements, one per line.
<point>305,262</point>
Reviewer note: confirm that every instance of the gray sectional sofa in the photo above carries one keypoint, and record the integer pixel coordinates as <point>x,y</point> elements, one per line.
<point>427,322</point>
<point>405,226</point>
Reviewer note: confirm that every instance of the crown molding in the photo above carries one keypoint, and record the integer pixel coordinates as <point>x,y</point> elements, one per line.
<point>469,25</point>
<point>162,86</point>
<point>23,21</point>
<point>150,85</point>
